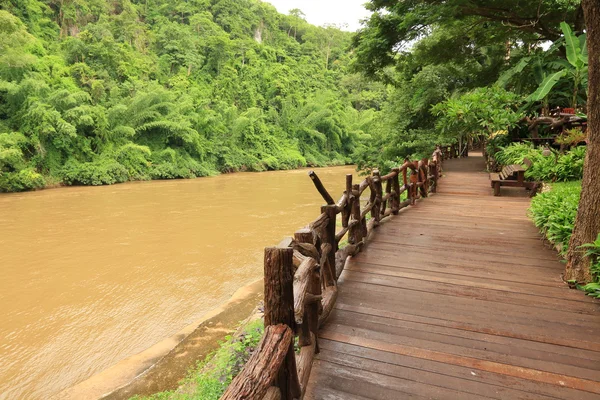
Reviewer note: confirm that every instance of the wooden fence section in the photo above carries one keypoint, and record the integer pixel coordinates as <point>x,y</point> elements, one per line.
<point>301,274</point>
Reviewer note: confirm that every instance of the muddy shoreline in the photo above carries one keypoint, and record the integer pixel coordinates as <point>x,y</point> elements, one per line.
<point>163,365</point>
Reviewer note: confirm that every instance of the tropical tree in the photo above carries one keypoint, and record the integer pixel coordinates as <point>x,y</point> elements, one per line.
<point>587,223</point>
<point>575,67</point>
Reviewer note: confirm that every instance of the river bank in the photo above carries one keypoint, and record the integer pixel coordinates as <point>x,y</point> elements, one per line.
<point>165,364</point>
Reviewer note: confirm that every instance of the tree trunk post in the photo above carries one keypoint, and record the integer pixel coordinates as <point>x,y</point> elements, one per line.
<point>347,210</point>
<point>310,322</point>
<point>279,309</point>
<point>376,211</point>
<point>396,190</point>
<point>355,232</point>
<point>435,172</point>
<point>587,223</point>
<point>330,238</point>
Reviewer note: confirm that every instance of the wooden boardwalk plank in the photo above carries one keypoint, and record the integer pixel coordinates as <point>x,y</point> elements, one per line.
<point>459,297</point>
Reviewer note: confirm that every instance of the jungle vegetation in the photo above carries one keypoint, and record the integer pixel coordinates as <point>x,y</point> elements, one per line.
<point>98,92</point>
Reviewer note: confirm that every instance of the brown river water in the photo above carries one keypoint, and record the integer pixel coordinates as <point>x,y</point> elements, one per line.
<point>92,275</point>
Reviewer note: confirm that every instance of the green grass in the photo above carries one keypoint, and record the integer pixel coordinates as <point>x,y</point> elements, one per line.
<point>209,379</point>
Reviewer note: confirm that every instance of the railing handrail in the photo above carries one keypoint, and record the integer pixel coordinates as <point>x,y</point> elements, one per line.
<point>301,274</point>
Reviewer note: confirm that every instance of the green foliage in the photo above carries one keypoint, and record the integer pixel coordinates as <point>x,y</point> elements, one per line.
<point>592,250</point>
<point>212,376</point>
<point>480,111</point>
<point>480,26</point>
<point>103,92</point>
<point>576,67</point>
<point>554,211</point>
<point>552,168</point>
<point>103,171</point>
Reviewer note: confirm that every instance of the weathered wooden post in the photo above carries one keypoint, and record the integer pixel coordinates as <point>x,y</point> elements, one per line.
<point>354,233</point>
<point>396,191</point>
<point>435,172</point>
<point>310,320</point>
<point>376,210</point>
<point>279,309</point>
<point>330,211</point>
<point>388,194</point>
<point>347,209</point>
<point>423,177</point>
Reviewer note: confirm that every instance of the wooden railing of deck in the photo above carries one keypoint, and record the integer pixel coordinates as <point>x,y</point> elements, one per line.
<point>301,275</point>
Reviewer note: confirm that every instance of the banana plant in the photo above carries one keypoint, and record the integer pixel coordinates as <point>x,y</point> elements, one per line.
<point>575,66</point>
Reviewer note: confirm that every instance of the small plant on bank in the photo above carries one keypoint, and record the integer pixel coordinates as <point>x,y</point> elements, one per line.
<point>209,379</point>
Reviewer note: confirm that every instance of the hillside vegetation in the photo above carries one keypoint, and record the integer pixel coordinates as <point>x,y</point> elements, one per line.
<point>97,92</point>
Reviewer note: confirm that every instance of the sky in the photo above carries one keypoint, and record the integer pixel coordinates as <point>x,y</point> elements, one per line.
<point>319,12</point>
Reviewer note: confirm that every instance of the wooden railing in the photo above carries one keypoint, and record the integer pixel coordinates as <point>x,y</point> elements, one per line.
<point>301,274</point>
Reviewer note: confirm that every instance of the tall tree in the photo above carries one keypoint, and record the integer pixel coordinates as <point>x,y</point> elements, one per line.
<point>395,23</point>
<point>587,223</point>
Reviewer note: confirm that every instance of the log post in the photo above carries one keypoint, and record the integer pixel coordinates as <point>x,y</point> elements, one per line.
<point>346,211</point>
<point>319,185</point>
<point>435,173</point>
<point>279,309</point>
<point>376,211</point>
<point>310,321</point>
<point>389,201</point>
<point>422,169</point>
<point>355,232</point>
<point>329,238</point>
<point>396,190</point>
<point>363,221</point>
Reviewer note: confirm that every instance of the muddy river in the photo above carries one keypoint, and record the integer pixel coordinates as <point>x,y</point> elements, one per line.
<point>92,275</point>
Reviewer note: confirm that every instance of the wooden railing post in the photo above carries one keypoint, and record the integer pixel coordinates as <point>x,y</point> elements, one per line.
<point>376,211</point>
<point>355,232</point>
<point>329,238</point>
<point>396,190</point>
<point>422,169</point>
<point>307,236</point>
<point>347,209</point>
<point>279,309</point>
<point>435,172</point>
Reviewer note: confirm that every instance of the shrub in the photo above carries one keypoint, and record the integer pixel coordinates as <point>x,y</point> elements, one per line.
<point>25,179</point>
<point>102,171</point>
<point>135,159</point>
<point>593,250</point>
<point>554,211</point>
<point>173,164</point>
<point>552,168</point>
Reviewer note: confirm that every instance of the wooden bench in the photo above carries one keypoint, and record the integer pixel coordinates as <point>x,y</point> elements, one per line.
<point>512,176</point>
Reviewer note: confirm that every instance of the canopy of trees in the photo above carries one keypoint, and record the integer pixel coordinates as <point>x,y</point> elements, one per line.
<point>98,92</point>
<point>457,69</point>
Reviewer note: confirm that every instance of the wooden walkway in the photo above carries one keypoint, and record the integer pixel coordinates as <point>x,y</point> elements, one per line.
<point>473,308</point>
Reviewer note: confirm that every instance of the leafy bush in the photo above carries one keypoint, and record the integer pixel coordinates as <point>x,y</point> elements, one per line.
<point>515,153</point>
<point>173,164</point>
<point>593,251</point>
<point>135,159</point>
<point>103,171</point>
<point>554,211</point>
<point>552,168</point>
<point>25,179</point>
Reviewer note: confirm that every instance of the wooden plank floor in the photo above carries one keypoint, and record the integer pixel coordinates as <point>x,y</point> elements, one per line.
<point>459,298</point>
